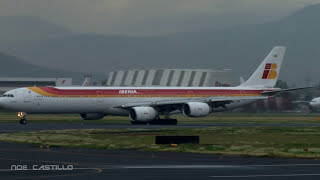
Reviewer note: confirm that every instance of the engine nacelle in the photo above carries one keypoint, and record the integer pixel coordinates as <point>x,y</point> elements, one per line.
<point>91,116</point>
<point>196,109</point>
<point>143,114</point>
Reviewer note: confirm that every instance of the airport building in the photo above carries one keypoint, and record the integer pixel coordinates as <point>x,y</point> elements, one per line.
<point>7,84</point>
<point>171,77</point>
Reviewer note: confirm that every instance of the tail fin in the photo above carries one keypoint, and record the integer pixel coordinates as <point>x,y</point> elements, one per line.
<point>267,73</point>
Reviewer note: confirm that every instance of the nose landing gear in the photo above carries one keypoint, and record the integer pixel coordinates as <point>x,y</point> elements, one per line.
<point>23,119</point>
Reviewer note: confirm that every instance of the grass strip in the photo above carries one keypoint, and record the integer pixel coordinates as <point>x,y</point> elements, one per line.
<point>297,142</point>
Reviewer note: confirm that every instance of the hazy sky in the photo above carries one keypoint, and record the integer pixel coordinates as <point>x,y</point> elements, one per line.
<point>143,17</point>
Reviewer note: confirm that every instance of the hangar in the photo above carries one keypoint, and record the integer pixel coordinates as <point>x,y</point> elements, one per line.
<point>171,77</point>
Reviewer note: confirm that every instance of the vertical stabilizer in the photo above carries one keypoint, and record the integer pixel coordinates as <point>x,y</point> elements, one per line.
<point>267,73</point>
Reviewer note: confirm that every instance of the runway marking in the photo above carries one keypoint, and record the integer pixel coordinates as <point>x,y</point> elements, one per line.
<point>199,166</point>
<point>265,175</point>
<point>281,165</point>
<point>170,166</point>
<point>179,166</point>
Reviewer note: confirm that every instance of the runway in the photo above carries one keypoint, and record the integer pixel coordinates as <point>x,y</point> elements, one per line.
<point>131,164</point>
<point>16,127</point>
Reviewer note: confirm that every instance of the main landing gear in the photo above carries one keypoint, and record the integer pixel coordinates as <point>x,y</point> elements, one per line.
<point>157,122</point>
<point>23,119</point>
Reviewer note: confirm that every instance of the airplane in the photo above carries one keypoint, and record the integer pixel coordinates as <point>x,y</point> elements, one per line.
<point>144,105</point>
<point>314,104</point>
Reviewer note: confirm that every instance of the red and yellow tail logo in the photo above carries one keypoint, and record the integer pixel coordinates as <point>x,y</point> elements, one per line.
<point>270,71</point>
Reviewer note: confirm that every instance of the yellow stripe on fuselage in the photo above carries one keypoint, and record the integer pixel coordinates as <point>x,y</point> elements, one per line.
<point>41,92</point>
<point>44,93</point>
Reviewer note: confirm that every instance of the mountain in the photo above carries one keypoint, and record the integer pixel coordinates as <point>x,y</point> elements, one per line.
<point>240,48</point>
<point>14,67</point>
<point>22,28</point>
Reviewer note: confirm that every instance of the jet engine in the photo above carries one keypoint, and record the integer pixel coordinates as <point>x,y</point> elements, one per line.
<point>91,116</point>
<point>143,114</point>
<point>196,109</point>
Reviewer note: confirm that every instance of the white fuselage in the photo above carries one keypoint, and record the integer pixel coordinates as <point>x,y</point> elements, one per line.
<point>32,100</point>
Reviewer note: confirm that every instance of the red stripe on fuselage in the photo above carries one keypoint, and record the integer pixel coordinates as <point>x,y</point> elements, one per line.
<point>204,92</point>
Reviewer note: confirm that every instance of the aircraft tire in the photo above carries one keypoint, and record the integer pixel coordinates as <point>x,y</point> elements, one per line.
<point>173,122</point>
<point>23,121</point>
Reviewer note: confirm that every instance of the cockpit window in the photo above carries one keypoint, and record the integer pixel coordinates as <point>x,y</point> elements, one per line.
<point>8,95</point>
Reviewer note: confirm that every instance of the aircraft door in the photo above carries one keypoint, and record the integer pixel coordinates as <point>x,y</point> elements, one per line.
<point>26,96</point>
<point>100,97</point>
<point>191,94</point>
<point>242,93</point>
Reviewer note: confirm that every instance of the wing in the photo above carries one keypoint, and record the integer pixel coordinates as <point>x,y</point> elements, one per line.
<point>173,105</point>
<point>214,101</point>
<point>277,92</point>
